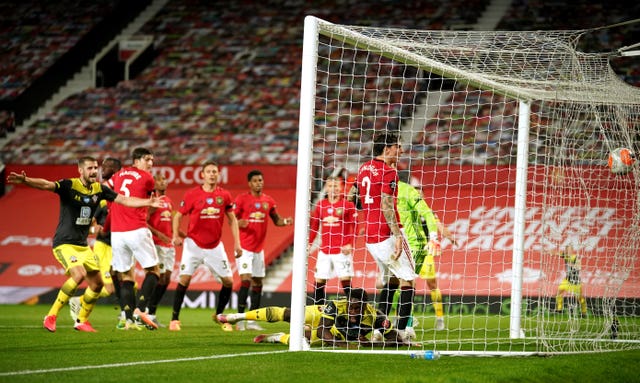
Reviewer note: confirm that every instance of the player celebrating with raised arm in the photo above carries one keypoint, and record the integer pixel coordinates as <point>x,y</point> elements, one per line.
<point>206,206</point>
<point>336,219</point>
<point>376,188</point>
<point>102,246</point>
<point>131,239</point>
<point>79,198</point>
<point>252,210</point>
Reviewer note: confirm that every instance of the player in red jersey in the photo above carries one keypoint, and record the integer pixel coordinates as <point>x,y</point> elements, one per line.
<point>160,224</point>
<point>131,239</point>
<point>336,219</point>
<point>252,209</point>
<point>376,188</point>
<point>206,206</point>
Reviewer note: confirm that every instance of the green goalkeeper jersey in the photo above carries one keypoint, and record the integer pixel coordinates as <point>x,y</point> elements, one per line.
<point>414,214</point>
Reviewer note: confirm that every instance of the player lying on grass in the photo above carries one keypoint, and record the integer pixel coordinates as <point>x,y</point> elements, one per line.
<point>339,322</point>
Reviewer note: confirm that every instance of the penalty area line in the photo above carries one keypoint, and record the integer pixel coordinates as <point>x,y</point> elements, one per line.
<point>192,359</point>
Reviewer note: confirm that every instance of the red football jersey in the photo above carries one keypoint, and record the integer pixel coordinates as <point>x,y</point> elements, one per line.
<point>131,182</point>
<point>206,211</point>
<point>257,211</point>
<point>374,178</point>
<point>161,219</point>
<point>338,225</point>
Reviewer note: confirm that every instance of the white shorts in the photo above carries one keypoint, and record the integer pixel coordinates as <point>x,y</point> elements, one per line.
<point>131,246</point>
<point>215,259</point>
<point>166,258</point>
<point>401,268</point>
<point>251,263</point>
<point>330,265</point>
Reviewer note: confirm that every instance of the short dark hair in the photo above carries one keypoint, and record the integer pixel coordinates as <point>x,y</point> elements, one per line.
<point>382,140</point>
<point>140,152</point>
<point>253,173</point>
<point>405,176</point>
<point>358,294</point>
<point>115,163</point>
<point>85,159</point>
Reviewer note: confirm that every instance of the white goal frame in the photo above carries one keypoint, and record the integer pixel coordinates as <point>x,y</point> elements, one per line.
<point>525,90</point>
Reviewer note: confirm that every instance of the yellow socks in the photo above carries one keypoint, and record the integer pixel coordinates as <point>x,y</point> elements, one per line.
<point>583,305</point>
<point>87,303</point>
<point>67,290</point>
<point>436,298</point>
<point>559,303</point>
<point>266,314</point>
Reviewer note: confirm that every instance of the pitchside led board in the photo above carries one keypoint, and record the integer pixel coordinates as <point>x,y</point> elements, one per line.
<point>483,227</point>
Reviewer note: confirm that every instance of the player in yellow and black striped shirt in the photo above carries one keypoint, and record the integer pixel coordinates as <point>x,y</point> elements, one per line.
<point>79,198</point>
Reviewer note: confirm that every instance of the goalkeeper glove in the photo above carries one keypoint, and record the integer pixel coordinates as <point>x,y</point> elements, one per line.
<point>433,246</point>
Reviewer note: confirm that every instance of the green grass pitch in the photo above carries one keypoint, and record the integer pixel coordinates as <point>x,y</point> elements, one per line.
<point>202,352</point>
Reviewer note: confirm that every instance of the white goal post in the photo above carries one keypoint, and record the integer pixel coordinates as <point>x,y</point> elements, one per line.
<point>507,135</point>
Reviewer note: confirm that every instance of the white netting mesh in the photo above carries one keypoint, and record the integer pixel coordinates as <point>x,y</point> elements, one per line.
<point>454,98</point>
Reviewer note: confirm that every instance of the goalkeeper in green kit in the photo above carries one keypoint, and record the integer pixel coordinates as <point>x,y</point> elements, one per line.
<point>421,227</point>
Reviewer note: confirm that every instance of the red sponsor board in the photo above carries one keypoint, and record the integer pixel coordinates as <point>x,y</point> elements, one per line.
<point>30,217</point>
<point>233,176</point>
<point>477,205</point>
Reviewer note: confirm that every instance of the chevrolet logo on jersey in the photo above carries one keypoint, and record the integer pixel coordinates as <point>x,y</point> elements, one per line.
<point>331,220</point>
<point>210,211</point>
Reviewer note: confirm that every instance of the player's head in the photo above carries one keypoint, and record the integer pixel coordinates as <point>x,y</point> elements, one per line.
<point>109,167</point>
<point>210,172</point>
<point>142,158</point>
<point>253,173</point>
<point>570,253</point>
<point>404,176</point>
<point>387,144</point>
<point>161,183</point>
<point>333,187</point>
<point>88,169</point>
<point>358,300</point>
<point>256,181</point>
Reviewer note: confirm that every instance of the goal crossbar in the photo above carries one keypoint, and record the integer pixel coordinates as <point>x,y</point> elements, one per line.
<point>518,85</point>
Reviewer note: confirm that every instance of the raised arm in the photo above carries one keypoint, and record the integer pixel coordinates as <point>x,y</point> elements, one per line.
<point>138,202</point>
<point>36,183</point>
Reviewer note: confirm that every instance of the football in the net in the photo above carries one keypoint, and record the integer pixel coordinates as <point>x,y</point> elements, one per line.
<point>621,160</point>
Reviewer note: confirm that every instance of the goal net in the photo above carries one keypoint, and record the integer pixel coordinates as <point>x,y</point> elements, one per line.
<point>507,136</point>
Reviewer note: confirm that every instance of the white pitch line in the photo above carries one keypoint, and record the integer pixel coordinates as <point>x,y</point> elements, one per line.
<point>78,368</point>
